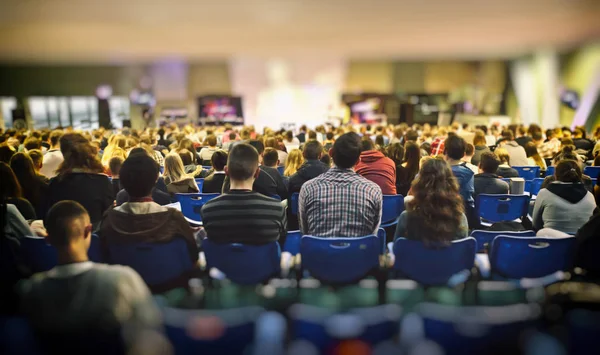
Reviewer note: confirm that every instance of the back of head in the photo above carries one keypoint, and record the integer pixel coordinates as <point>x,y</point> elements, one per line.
<point>270,157</point>
<point>568,171</point>
<point>78,153</point>
<point>537,136</point>
<point>232,136</point>
<point>258,145</point>
<point>469,149</point>
<point>219,160</point>
<point>395,151</point>
<point>313,150</point>
<point>508,135</point>
<point>531,149</point>
<point>22,166</point>
<point>37,157</point>
<point>115,164</point>
<point>138,175</point>
<point>567,152</point>
<point>32,143</point>
<point>271,142</point>
<point>186,157</point>
<point>366,144</point>
<point>346,150</point>
<point>329,136</point>
<point>67,223</point>
<point>174,167</point>
<point>242,162</point>
<point>502,154</point>
<point>479,138</point>
<point>489,163</point>
<point>455,147</point>
<point>211,140</point>
<point>411,136</point>
<point>55,137</point>
<point>312,135</point>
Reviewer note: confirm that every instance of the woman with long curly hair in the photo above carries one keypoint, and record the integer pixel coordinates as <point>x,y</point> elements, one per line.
<point>81,178</point>
<point>293,162</point>
<point>436,214</point>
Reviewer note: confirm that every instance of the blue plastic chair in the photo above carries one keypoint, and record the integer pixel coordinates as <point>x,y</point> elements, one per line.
<point>550,171</point>
<point>157,263</point>
<point>528,172</point>
<point>292,242</point>
<point>37,254</point>
<point>276,197</point>
<point>200,183</point>
<point>592,171</point>
<point>501,208</point>
<point>433,266</point>
<point>17,337</point>
<point>207,167</point>
<point>484,238</point>
<point>294,203</point>
<point>94,252</point>
<point>281,169</point>
<point>340,260</point>
<point>530,257</point>
<point>393,206</point>
<point>536,186</point>
<point>242,263</point>
<point>191,204</point>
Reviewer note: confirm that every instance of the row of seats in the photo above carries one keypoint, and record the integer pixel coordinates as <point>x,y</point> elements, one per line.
<point>533,172</point>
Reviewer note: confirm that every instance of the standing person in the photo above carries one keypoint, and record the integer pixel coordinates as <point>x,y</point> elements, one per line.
<point>79,300</point>
<point>214,182</point>
<point>242,215</point>
<point>53,157</point>
<point>36,187</point>
<point>81,178</point>
<point>310,169</point>
<point>480,146</point>
<point>340,202</point>
<point>375,166</point>
<point>436,214</point>
<point>454,151</point>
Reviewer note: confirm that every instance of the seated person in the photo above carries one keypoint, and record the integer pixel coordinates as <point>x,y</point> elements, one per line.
<point>504,169</point>
<point>263,183</point>
<point>270,162</point>
<point>79,300</point>
<point>141,219</point>
<point>187,158</point>
<point>564,205</point>
<point>159,192</point>
<point>214,182</point>
<point>487,182</point>
<point>37,157</point>
<point>454,150</point>
<point>436,214</point>
<point>375,166</point>
<point>242,215</point>
<point>114,165</point>
<point>11,192</point>
<point>311,168</point>
<point>177,180</point>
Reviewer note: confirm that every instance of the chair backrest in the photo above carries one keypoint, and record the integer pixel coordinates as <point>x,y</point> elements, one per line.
<point>550,171</point>
<point>592,171</point>
<point>191,204</point>
<point>200,183</point>
<point>528,172</point>
<point>484,238</point>
<point>292,242</point>
<point>430,265</point>
<point>207,167</point>
<point>393,206</point>
<point>156,263</point>
<point>294,203</point>
<point>281,169</point>
<point>94,252</point>
<point>340,260</point>
<point>37,254</point>
<point>242,263</point>
<point>536,186</point>
<point>530,257</point>
<point>500,208</point>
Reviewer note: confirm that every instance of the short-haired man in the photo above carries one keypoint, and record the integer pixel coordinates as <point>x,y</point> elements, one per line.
<point>53,157</point>
<point>79,298</point>
<point>207,152</point>
<point>32,143</point>
<point>141,219</point>
<point>242,215</point>
<point>375,166</point>
<point>311,168</point>
<point>340,202</point>
<point>517,154</point>
<point>214,182</point>
<point>270,158</point>
<point>487,182</point>
<point>454,150</point>
<point>159,192</point>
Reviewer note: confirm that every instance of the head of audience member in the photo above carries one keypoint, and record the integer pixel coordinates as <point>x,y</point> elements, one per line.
<point>537,137</point>
<point>395,151</point>
<point>138,175</point>
<point>271,142</point>
<point>37,157</point>
<point>479,139</point>
<point>211,140</point>
<point>534,128</point>
<point>502,154</point>
<point>270,158</point>
<point>79,155</point>
<point>326,159</point>
<point>289,136</point>
<point>566,132</point>
<point>259,146</point>
<point>312,150</point>
<point>22,165</point>
<point>532,152</point>
<point>6,153</point>
<point>69,231</point>
<point>174,169</point>
<point>366,144</point>
<point>489,163</point>
<point>10,187</point>
<point>329,136</point>
<point>521,131</point>
<point>312,135</point>
<point>469,152</point>
<point>454,148</point>
<point>597,160</point>
<point>242,166</point>
<point>568,171</point>
<point>186,143</point>
<point>115,165</point>
<point>32,143</point>
<point>437,201</point>
<point>426,147</point>
<point>579,133</point>
<point>295,159</point>
<point>219,160</point>
<point>186,157</point>
<point>567,152</point>
<point>379,141</point>
<point>233,136</point>
<point>508,136</point>
<point>346,150</point>
<point>411,136</point>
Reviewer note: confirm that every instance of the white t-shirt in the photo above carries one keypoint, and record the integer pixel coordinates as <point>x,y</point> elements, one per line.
<point>52,159</point>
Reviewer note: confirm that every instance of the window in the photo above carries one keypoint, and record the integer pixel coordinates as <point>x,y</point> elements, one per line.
<point>7,105</point>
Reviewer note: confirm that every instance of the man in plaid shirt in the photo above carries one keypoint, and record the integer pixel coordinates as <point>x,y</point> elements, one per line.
<point>438,144</point>
<point>341,203</point>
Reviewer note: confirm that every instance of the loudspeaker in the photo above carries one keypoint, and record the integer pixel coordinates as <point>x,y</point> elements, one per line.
<point>104,114</point>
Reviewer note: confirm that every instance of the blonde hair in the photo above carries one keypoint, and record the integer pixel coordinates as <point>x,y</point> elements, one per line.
<point>503,155</point>
<point>116,141</point>
<point>174,169</point>
<point>293,162</point>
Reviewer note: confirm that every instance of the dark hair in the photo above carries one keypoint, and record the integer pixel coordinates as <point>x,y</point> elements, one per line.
<point>426,147</point>
<point>219,160</point>
<point>78,153</point>
<point>489,163</point>
<point>211,140</point>
<point>567,152</point>
<point>10,187</point>
<point>36,156</point>
<point>242,162</point>
<point>379,140</point>
<point>568,171</point>
<point>326,159</point>
<point>115,164</point>
<point>312,135</point>
<point>270,157</point>
<point>58,222</point>
<point>232,135</point>
<point>469,149</point>
<point>138,175</point>
<point>329,136</point>
<point>138,150</point>
<point>411,136</point>
<point>258,145</point>
<point>346,150</point>
<point>437,202</point>
<point>508,135</point>
<point>186,157</point>
<point>412,157</point>
<point>537,136</point>
<point>454,147</point>
<point>312,150</point>
<point>5,154</point>
<point>24,170</point>
<point>395,151</point>
<point>366,144</point>
<point>32,143</point>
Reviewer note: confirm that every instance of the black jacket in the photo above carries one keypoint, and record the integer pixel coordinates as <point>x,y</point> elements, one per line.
<point>507,172</point>
<point>213,183</point>
<point>264,184</point>
<point>308,171</point>
<point>489,184</point>
<point>282,190</point>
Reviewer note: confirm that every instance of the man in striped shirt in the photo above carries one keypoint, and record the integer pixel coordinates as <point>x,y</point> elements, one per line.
<point>340,202</point>
<point>241,215</point>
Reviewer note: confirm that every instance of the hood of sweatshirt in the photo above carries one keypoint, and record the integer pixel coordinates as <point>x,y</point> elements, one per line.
<point>371,156</point>
<point>572,192</point>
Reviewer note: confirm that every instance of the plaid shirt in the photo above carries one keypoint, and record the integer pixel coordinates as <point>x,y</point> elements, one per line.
<point>437,146</point>
<point>340,203</point>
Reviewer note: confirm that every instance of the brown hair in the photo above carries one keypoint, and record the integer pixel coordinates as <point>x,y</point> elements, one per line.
<point>503,155</point>
<point>532,152</point>
<point>78,154</point>
<point>479,138</point>
<point>10,187</point>
<point>568,171</point>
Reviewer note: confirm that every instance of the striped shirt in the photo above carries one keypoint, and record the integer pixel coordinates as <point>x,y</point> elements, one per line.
<point>243,216</point>
<point>340,203</point>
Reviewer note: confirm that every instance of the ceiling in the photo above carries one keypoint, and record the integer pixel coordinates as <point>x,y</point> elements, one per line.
<point>117,31</point>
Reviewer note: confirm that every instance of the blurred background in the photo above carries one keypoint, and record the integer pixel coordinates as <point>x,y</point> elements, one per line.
<point>284,63</point>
